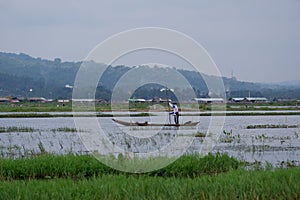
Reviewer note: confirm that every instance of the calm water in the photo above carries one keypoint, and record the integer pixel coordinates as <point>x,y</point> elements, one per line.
<point>272,145</point>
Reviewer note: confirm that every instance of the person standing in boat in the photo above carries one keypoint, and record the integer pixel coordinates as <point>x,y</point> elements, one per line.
<point>175,112</point>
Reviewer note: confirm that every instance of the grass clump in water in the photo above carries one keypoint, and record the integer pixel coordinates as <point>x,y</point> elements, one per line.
<point>16,129</point>
<point>262,126</point>
<point>200,134</point>
<point>66,129</point>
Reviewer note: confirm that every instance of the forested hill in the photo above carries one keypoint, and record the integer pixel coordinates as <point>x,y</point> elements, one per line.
<point>20,72</point>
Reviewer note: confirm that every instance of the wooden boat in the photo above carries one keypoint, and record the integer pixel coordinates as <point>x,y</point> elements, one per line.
<point>189,123</point>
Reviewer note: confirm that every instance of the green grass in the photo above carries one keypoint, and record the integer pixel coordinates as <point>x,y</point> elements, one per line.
<point>50,166</point>
<point>16,129</point>
<point>72,166</point>
<point>36,107</point>
<point>239,184</point>
<point>259,126</point>
<point>66,129</point>
<point>190,177</point>
<point>142,107</point>
<point>199,134</point>
<point>47,115</point>
<point>31,115</point>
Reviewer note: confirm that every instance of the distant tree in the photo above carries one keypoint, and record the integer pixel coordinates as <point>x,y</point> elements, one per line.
<point>57,60</point>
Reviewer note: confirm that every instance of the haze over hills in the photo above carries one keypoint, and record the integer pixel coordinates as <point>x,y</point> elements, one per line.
<point>22,76</point>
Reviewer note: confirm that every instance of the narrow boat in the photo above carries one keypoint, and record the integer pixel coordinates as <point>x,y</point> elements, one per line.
<point>189,123</point>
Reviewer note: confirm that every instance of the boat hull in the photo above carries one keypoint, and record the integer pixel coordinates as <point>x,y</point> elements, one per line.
<point>189,123</point>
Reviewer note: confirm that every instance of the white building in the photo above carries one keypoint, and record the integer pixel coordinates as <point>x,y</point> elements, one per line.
<point>250,99</point>
<point>209,100</point>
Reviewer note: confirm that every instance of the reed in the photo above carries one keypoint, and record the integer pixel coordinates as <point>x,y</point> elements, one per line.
<point>238,184</point>
<point>190,177</point>
<point>66,129</point>
<point>262,126</point>
<point>10,129</point>
<point>72,166</point>
<point>48,115</point>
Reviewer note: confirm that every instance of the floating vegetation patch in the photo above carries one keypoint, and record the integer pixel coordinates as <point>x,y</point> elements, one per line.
<point>261,126</point>
<point>199,134</point>
<point>30,115</point>
<point>228,137</point>
<point>66,129</point>
<point>16,129</point>
<point>50,115</point>
<point>263,137</point>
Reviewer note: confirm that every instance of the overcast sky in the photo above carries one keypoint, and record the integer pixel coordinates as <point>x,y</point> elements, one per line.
<point>259,40</point>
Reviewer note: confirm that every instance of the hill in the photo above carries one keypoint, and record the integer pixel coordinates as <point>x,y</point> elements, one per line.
<point>23,75</point>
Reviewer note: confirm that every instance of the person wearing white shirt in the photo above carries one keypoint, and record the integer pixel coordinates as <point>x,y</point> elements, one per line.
<point>175,112</point>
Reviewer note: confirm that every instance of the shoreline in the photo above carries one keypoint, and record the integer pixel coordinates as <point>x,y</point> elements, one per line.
<point>142,113</point>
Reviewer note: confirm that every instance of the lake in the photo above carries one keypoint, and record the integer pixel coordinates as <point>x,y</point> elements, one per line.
<point>60,135</point>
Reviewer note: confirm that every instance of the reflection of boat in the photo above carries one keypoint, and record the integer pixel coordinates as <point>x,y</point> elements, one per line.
<point>189,123</point>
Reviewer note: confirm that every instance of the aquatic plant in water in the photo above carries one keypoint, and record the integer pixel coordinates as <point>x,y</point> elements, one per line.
<point>10,129</point>
<point>263,126</point>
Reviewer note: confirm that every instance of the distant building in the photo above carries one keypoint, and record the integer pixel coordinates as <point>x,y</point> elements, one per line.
<point>15,101</point>
<point>137,100</point>
<point>236,100</point>
<point>209,100</point>
<point>250,99</point>
<point>63,100</point>
<point>101,101</point>
<point>256,99</point>
<point>83,100</point>
<point>4,100</point>
<point>68,86</point>
<point>37,99</point>
<point>160,100</point>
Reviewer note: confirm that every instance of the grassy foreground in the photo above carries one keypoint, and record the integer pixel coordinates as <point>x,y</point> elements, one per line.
<point>190,177</point>
<point>239,184</point>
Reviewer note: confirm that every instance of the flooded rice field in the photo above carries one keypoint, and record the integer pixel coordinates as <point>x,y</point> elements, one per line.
<point>273,139</point>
